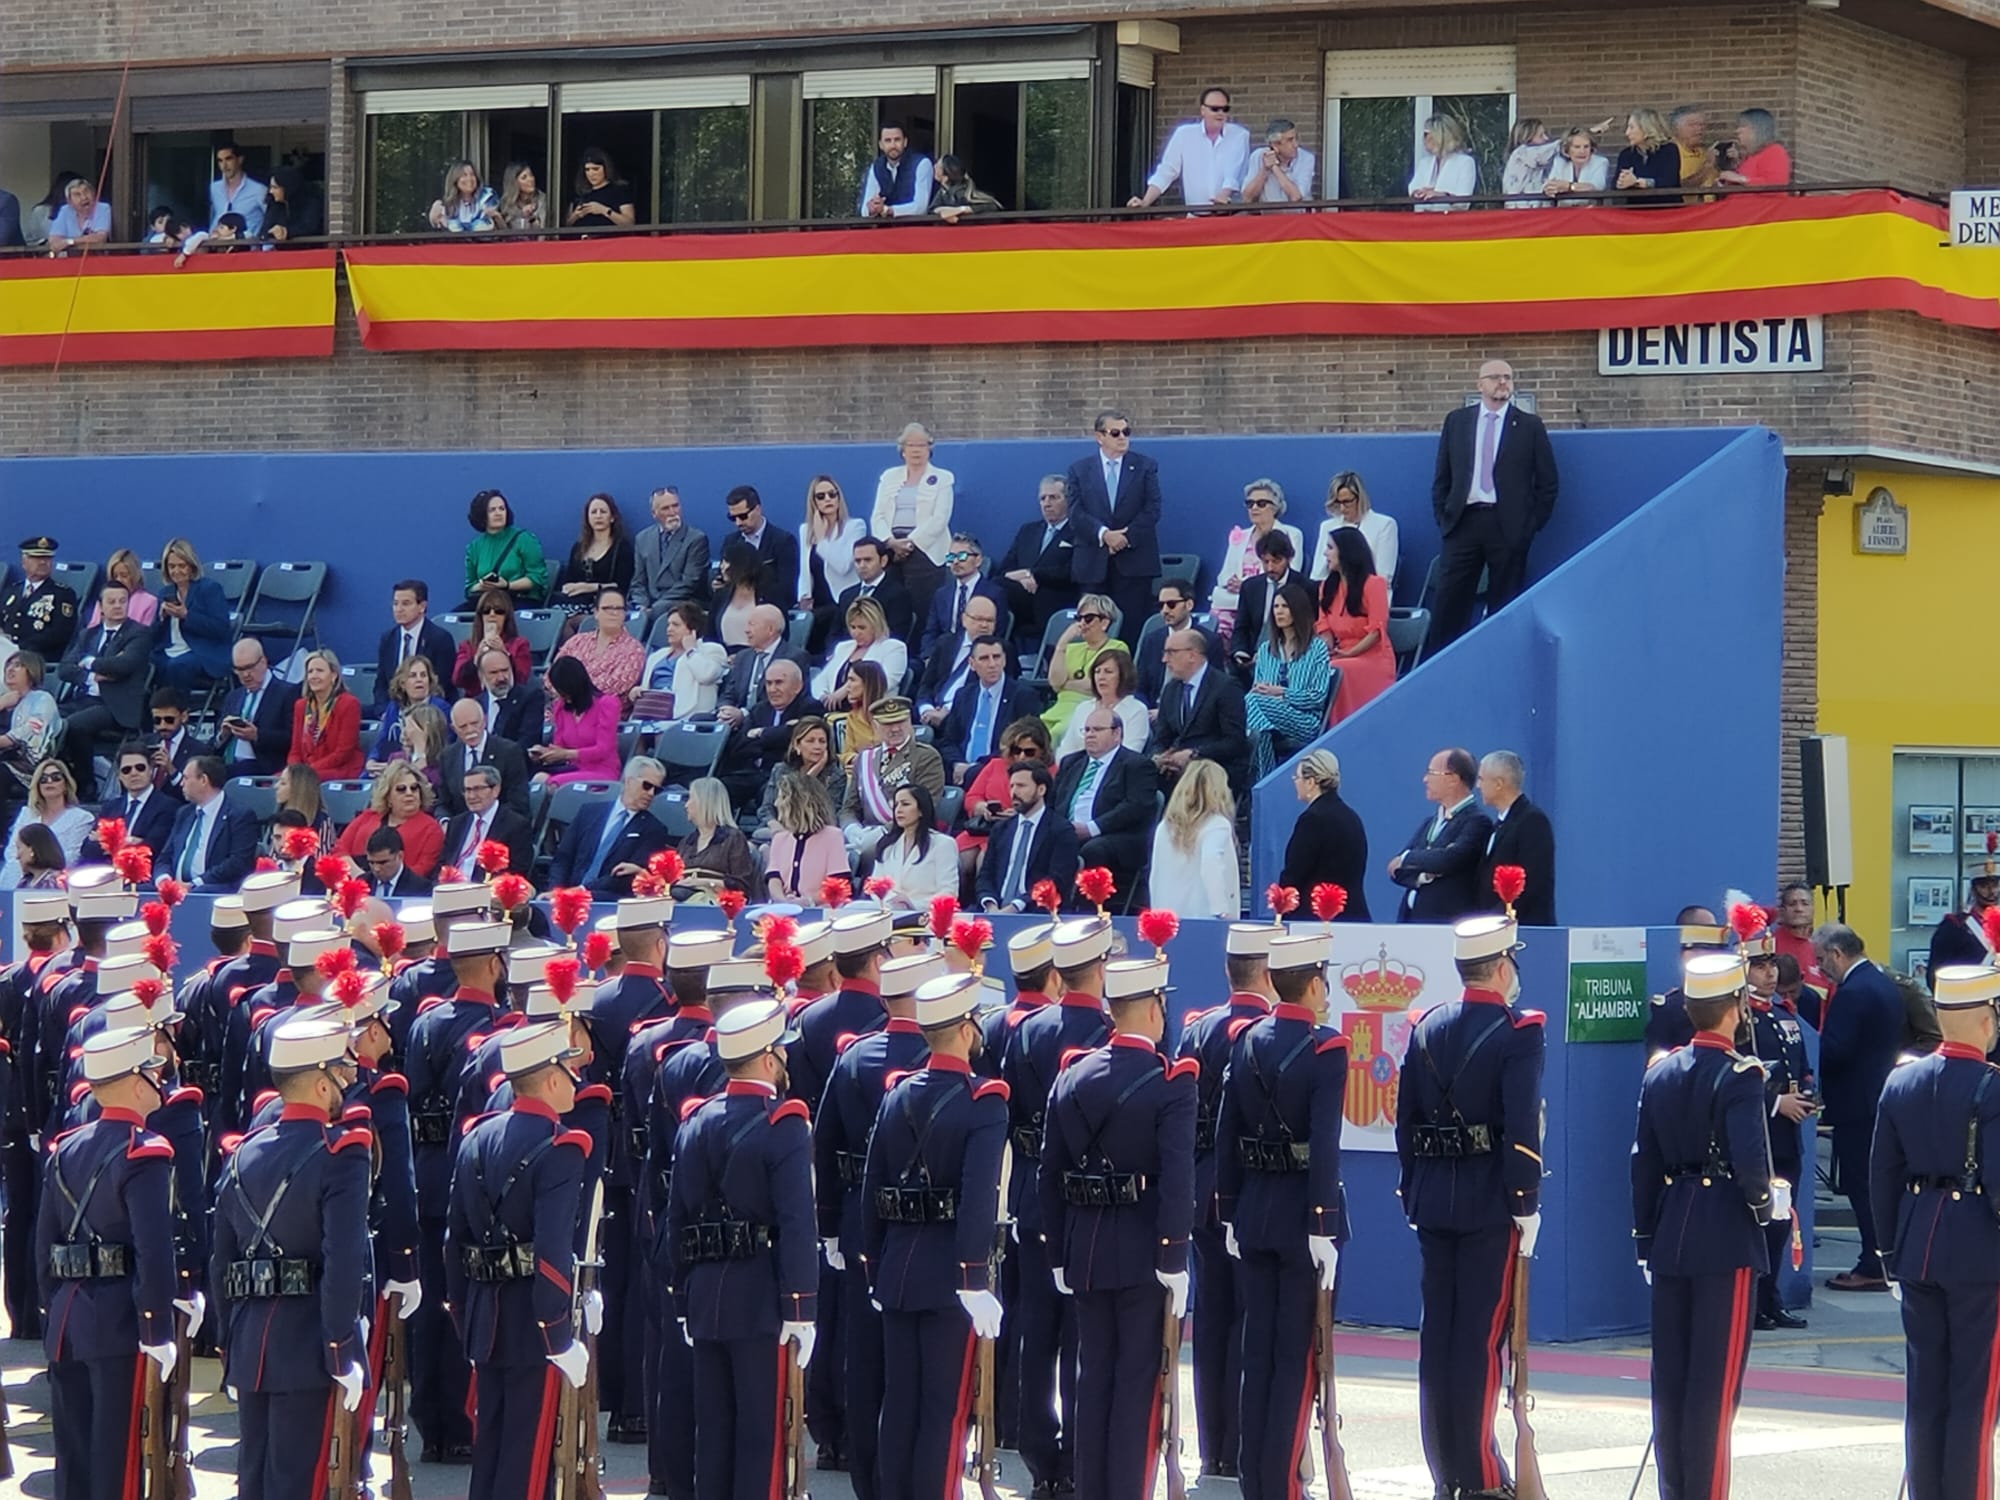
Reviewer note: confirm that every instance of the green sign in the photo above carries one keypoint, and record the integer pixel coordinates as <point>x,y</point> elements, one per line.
<point>1607,984</point>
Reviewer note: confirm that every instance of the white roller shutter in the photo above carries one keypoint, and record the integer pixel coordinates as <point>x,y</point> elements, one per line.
<point>435,101</point>
<point>868,83</point>
<point>723,92</point>
<point>1399,72</point>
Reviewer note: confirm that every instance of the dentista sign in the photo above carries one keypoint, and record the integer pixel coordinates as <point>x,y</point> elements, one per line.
<point>1772,346</point>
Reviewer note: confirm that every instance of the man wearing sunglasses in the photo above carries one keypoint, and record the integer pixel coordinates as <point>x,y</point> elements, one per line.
<point>1208,156</point>
<point>610,842</point>
<point>1114,494</point>
<point>148,815</point>
<point>947,607</point>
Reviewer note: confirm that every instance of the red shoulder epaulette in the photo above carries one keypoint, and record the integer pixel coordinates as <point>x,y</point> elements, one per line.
<point>1183,1067</point>
<point>600,1092</point>
<point>1334,1043</point>
<point>235,995</point>
<point>347,1138</point>
<point>1241,1024</point>
<point>466,1128</point>
<point>186,1094</point>
<point>262,1013</point>
<point>798,1004</point>
<point>893,1077</point>
<point>78,1089</point>
<point>389,1083</point>
<point>357,1114</point>
<point>264,1097</point>
<point>77,1013</point>
<point>230,1141</point>
<point>145,1147</point>
<point>1195,1015</point>
<point>577,1138</point>
<point>991,1088</point>
<point>845,1040</point>
<point>494,1081</point>
<point>1071,1055</point>
<point>6,1047</point>
<point>689,1106</point>
<point>1530,1018</point>
<point>792,1109</point>
<point>58,1138</point>
<point>431,1002</point>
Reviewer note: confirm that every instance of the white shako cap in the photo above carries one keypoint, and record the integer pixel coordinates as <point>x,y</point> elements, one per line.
<point>535,1045</point>
<point>1081,942</point>
<point>267,890</point>
<point>225,914</point>
<point>1484,937</point>
<point>948,998</point>
<point>301,1044</point>
<point>1965,986</point>
<point>1129,978</point>
<point>857,932</point>
<point>699,948</point>
<point>751,1028</point>
<point>291,918</point>
<point>117,1051</point>
<point>905,975</point>
<point>1299,950</point>
<point>1713,976</point>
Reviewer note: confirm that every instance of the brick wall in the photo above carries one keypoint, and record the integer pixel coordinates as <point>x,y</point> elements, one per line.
<point>1798,686</point>
<point>1982,124</point>
<point>1873,107</point>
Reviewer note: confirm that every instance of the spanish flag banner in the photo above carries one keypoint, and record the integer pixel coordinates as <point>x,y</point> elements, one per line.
<point>99,309</point>
<point>1208,277</point>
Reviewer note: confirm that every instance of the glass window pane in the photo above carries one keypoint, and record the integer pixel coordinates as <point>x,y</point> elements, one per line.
<point>1131,139</point>
<point>1058,144</point>
<point>704,165</point>
<point>1485,118</point>
<point>841,133</point>
<point>408,157</point>
<point>1376,150</point>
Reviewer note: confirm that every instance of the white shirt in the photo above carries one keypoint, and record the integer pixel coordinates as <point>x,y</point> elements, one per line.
<point>1457,176</point>
<point>1300,171</point>
<point>204,830</point>
<point>836,558</point>
<point>1086,802</point>
<point>475,835</point>
<point>1131,717</point>
<point>1206,167</point>
<point>1026,827</point>
<point>917,880</point>
<point>1475,494</point>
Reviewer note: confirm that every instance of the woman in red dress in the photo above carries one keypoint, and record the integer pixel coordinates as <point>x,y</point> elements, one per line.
<point>1354,618</point>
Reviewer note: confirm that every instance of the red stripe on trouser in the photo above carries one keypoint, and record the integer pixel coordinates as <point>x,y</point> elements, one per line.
<point>961,1413</point>
<point>1156,1439</point>
<point>781,1447</point>
<point>325,1443</point>
<point>1983,1490</point>
<point>128,1485</point>
<point>378,1346</point>
<point>1489,1400</point>
<point>545,1433</point>
<point>1731,1384</point>
<point>1301,1425</point>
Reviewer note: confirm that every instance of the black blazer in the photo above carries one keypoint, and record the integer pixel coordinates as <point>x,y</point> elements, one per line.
<point>957,726</point>
<point>1451,859</point>
<point>1128,798</point>
<point>509,827</point>
<point>232,848</point>
<point>153,827</point>
<point>1525,837</point>
<point>123,661</point>
<point>434,644</point>
<point>273,721</point>
<point>521,717</point>
<point>894,597</point>
<point>1052,856</point>
<point>407,885</point>
<point>1252,600</point>
<point>1052,564</point>
<point>1328,843</point>
<point>779,552</point>
<point>1150,660</point>
<point>941,622</point>
<point>735,689</point>
<point>1216,729</point>
<point>508,758</point>
<point>1661,167</point>
<point>644,836</point>
<point>1135,510</point>
<point>757,743</point>
<point>1524,473</point>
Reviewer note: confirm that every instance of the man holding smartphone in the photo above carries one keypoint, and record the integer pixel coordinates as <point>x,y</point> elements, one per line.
<point>1778,1039</point>
<point>255,734</point>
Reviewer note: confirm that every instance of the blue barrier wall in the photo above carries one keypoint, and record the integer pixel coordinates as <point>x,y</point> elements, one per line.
<point>1637,680</point>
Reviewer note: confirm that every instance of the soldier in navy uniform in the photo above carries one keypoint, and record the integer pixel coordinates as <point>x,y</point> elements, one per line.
<point>1702,1164</point>
<point>744,1261</point>
<point>256,965</point>
<point>1117,1191</point>
<point>1218,1313</point>
<point>290,1268</point>
<point>432,977</point>
<point>1469,1142</point>
<point>1046,1314</point>
<point>300,986</point>
<point>851,1343</point>
<point>437,1059</point>
<point>510,1259</point>
<point>1960,937</point>
<point>104,1253</point>
<point>1778,1040</point>
<point>37,612</point>
<point>253,1004</point>
<point>203,1003</point>
<point>44,918</point>
<point>1667,1024</point>
<point>1937,1215</point>
<point>861,940</point>
<point>931,1205</point>
<point>1278,1194</point>
<point>98,905</point>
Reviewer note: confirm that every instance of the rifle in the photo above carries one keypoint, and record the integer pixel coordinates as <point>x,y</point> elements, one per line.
<point>985,1467</point>
<point>1170,1403</point>
<point>576,1409</point>
<point>180,1481</point>
<point>342,1480</point>
<point>395,1357</point>
<point>1527,1466</point>
<point>795,1426</point>
<point>6,1449</point>
<point>1332,1454</point>
<point>154,1462</point>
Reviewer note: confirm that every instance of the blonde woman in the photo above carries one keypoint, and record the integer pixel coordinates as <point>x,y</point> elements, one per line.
<point>1651,159</point>
<point>400,799</point>
<point>808,847</point>
<point>913,515</point>
<point>1076,651</point>
<point>523,205</point>
<point>1347,504</point>
<point>191,631</point>
<point>415,683</point>
<point>717,847</point>
<point>326,722</point>
<point>826,545</point>
<point>1195,862</point>
<point>1445,170</point>
<point>1263,505</point>
<point>140,606</point>
<point>51,803</point>
<point>423,737</point>
<point>868,639</point>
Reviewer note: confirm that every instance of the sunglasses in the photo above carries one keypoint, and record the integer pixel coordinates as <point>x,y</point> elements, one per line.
<point>1220,109</point>
<point>1029,749</point>
<point>739,515</point>
<point>495,612</point>
<point>1093,619</point>
<point>51,778</point>
<point>952,557</point>
<point>1117,432</point>
<point>651,786</point>
<point>137,768</point>
<point>824,495</point>
<point>1262,504</point>
<point>165,721</point>
<point>408,786</point>
<point>1167,604</point>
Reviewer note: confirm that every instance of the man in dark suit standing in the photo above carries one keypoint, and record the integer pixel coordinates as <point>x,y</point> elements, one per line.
<point>106,667</point>
<point>1110,797</point>
<point>1522,835</point>
<point>148,814</point>
<point>1494,488</point>
<point>254,735</point>
<point>871,561</point>
<point>777,548</point>
<point>1036,572</point>
<point>1114,495</point>
<point>609,842</point>
<point>1253,600</point>
<point>413,634</point>
<point>515,711</point>
<point>214,842</point>
<point>475,745</point>
<point>760,734</point>
<point>947,605</point>
<point>669,564</point>
<point>1858,1046</point>
<point>1200,714</point>
<point>1035,844</point>
<point>487,816</point>
<point>986,704</point>
<point>1441,861</point>
<point>1149,658</point>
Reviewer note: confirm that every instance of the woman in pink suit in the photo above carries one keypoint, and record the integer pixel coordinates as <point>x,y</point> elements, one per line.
<point>1354,618</point>
<point>583,745</point>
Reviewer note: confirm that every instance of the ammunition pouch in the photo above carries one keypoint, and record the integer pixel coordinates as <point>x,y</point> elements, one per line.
<point>723,1239</point>
<point>90,1260</point>
<point>1102,1189</point>
<point>431,1127</point>
<point>270,1276</point>
<point>852,1167</point>
<point>916,1205</point>
<point>1255,1154</point>
<point>199,1073</point>
<point>1204,1131</point>
<point>1027,1140</point>
<point>515,1262</point>
<point>1451,1142</point>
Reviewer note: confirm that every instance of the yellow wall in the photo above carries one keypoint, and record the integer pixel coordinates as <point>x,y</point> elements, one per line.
<point>1909,655</point>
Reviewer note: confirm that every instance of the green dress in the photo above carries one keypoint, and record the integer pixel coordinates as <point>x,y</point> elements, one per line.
<point>1076,656</point>
<point>511,552</point>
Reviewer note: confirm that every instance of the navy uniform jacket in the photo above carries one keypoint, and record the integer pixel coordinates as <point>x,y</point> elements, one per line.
<point>650,1044</point>
<point>1860,1038</point>
<point>1953,941</point>
<point>1122,1108</point>
<point>1033,1059</point>
<point>437,1065</point>
<point>1287,1082</point>
<point>499,1196</point>
<point>246,1074</point>
<point>1495,1082</point>
<point>621,1006</point>
<point>108,1318</point>
<point>392,1205</point>
<point>1205,1038</point>
<point>685,1072</point>
<point>747,1154</point>
<point>1698,1099</point>
<point>1931,1231</point>
<point>20,1024</point>
<point>204,1010</point>
<point>39,616</point>
<point>940,1127</point>
<point>1779,1040</point>
<point>179,1122</point>
<point>854,1009</point>
<point>862,1075</point>
<point>52,1021</point>
<point>591,1114</point>
<point>1667,1023</point>
<point>238,978</point>
<point>996,1032</point>
<point>323,1217</point>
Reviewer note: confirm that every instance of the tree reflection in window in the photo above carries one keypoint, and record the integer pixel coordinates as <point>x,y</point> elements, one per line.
<point>704,165</point>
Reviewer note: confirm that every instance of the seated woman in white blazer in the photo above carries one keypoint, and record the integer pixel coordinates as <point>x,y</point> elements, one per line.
<point>868,639</point>
<point>913,515</point>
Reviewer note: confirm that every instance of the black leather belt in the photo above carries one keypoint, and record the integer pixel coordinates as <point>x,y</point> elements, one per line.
<point>1713,1172</point>
<point>1257,1155</point>
<point>92,1260</point>
<point>515,1262</point>
<point>1943,1185</point>
<point>270,1276</point>
<point>1102,1189</point>
<point>1451,1142</point>
<point>901,1205</point>
<point>723,1239</point>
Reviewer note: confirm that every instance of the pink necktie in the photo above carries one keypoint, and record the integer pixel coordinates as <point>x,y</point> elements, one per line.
<point>1489,423</point>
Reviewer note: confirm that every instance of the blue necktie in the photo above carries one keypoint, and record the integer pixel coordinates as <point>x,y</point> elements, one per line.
<point>982,727</point>
<point>614,825</point>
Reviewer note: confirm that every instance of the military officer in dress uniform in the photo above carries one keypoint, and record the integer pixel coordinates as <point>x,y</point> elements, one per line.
<point>931,1201</point>
<point>290,1268</point>
<point>433,978</point>
<point>1778,1041</point>
<point>1278,1194</point>
<point>744,1259</point>
<point>44,917</point>
<point>510,1258</point>
<point>1117,1198</point>
<point>1469,1143</point>
<point>97,906</point>
<point>1218,1313</point>
<point>1667,1024</point>
<point>1702,1164</point>
<point>1960,937</point>
<point>851,1343</point>
<point>38,613</point>
<point>104,1252</point>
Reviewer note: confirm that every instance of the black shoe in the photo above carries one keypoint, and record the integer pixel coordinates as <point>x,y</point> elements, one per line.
<point>1778,1318</point>
<point>1220,1469</point>
<point>830,1460</point>
<point>458,1453</point>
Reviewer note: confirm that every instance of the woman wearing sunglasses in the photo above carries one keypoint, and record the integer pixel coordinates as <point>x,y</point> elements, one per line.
<point>493,625</point>
<point>52,804</point>
<point>1263,504</point>
<point>400,799</point>
<point>826,555</point>
<point>1069,667</point>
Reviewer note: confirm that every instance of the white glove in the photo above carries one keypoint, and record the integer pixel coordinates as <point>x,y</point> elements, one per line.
<point>1530,1226</point>
<point>593,1312</point>
<point>1326,1257</point>
<point>1229,1242</point>
<point>1014,1230</point>
<point>349,1380</point>
<point>166,1356</point>
<point>1781,1199</point>
<point>984,1310</point>
<point>1647,1272</point>
<point>830,1248</point>
<point>574,1362</point>
<point>363,1327</point>
<point>1062,1281</point>
<point>801,1336</point>
<point>1896,1290</point>
<point>409,1297</point>
<point>686,1337</point>
<point>195,1306</point>
<point>1176,1283</point>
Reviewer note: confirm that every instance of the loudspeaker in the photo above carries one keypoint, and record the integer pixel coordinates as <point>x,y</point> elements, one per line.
<point>1829,831</point>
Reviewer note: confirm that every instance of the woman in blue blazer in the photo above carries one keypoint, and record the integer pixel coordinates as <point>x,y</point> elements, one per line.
<point>191,632</point>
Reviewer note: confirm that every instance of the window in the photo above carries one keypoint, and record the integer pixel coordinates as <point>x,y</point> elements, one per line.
<point>415,136</point>
<point>1023,131</point>
<point>177,166</point>
<point>688,137</point>
<point>845,109</point>
<point>34,153</point>
<point>1377,102</point>
<point>1945,803</point>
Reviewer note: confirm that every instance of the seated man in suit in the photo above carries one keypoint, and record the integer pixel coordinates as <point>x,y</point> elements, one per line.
<point>1254,599</point>
<point>947,605</point>
<point>254,735</point>
<point>486,815</point>
<point>609,842</point>
<point>759,734</point>
<point>1441,862</point>
<point>1176,613</point>
<point>1036,570</point>
<point>980,713</point>
<point>476,745</point>
<point>388,877</point>
<point>1522,835</point>
<point>777,548</point>
<point>413,634</point>
<point>746,683</point>
<point>515,711</point>
<point>214,842</point>
<point>1035,844</point>
<point>148,814</point>
<point>1200,714</point>
<point>171,746</point>
<point>949,665</point>
<point>871,561</point>
<point>106,668</point>
<point>1110,796</point>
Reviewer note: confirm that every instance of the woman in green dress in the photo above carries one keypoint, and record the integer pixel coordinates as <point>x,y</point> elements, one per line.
<point>502,555</point>
<point>1069,666</point>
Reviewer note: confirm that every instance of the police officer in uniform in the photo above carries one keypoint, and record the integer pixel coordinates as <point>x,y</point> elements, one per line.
<point>1278,1193</point>
<point>744,1259</point>
<point>931,1198</point>
<point>1702,1164</point>
<point>510,1258</point>
<point>290,1267</point>
<point>1117,1191</point>
<point>104,1252</point>
<point>1778,1041</point>
<point>44,917</point>
<point>1218,1314</point>
<point>37,613</point>
<point>1469,1142</point>
<point>1667,1024</point>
